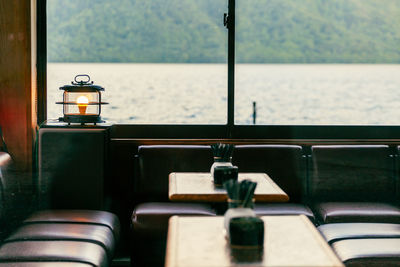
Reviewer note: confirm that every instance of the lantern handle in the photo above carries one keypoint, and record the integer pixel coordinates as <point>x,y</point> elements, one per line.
<point>82,82</point>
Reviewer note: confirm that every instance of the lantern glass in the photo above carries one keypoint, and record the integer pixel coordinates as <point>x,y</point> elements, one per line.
<point>82,103</point>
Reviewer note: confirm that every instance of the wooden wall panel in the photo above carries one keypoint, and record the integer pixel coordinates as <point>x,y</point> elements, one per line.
<point>17,66</point>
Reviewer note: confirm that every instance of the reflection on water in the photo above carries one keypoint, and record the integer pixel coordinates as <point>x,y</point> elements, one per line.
<point>197,93</point>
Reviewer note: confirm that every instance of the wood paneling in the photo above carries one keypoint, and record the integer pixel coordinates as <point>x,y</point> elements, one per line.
<point>17,79</point>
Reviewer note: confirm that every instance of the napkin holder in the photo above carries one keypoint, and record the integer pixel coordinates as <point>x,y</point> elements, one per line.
<point>224,173</point>
<point>246,238</point>
<point>246,232</point>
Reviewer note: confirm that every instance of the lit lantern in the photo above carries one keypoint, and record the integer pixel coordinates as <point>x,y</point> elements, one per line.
<point>82,101</point>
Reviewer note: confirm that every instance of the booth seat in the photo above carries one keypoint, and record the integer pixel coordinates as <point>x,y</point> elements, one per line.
<point>153,209</point>
<point>56,237</point>
<point>286,166</point>
<point>364,244</point>
<point>353,183</point>
<point>368,252</point>
<point>284,163</point>
<point>333,232</point>
<point>69,236</point>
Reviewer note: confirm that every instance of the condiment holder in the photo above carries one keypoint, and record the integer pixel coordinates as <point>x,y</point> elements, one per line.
<point>225,173</point>
<point>243,228</point>
<point>222,154</point>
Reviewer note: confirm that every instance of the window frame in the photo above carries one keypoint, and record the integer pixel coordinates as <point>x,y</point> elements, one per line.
<point>225,131</point>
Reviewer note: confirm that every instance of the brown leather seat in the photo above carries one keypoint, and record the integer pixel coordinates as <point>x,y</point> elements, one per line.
<point>90,217</point>
<point>150,227</point>
<point>64,251</point>
<point>374,252</point>
<point>359,178</point>
<point>158,161</point>
<point>263,209</point>
<point>150,216</point>
<point>342,212</point>
<point>285,164</point>
<point>97,234</point>
<point>333,232</point>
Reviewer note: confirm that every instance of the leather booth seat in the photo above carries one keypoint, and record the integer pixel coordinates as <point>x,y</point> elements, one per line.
<point>336,212</point>
<point>353,183</point>
<point>333,232</point>
<point>76,237</point>
<point>150,228</point>
<point>150,216</point>
<point>265,209</point>
<point>97,234</point>
<point>55,250</point>
<point>375,252</point>
<point>285,164</point>
<point>83,217</point>
<point>54,237</point>
<point>364,244</point>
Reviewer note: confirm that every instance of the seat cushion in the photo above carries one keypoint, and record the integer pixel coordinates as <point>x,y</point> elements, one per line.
<point>340,212</point>
<point>78,216</point>
<point>262,209</point>
<point>368,252</point>
<point>333,232</point>
<point>65,251</point>
<point>152,218</point>
<point>98,234</point>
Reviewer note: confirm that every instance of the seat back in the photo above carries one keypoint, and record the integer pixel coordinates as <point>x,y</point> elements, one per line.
<point>283,163</point>
<point>352,173</point>
<point>156,162</point>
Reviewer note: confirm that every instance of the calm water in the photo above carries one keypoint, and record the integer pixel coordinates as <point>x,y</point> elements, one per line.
<point>197,93</point>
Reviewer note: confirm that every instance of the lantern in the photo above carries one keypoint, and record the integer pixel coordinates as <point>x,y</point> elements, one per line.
<point>82,101</point>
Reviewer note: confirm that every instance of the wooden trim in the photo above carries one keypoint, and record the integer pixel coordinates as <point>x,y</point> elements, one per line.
<point>18,68</point>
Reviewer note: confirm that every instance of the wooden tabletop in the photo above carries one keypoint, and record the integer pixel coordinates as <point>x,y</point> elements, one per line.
<point>199,186</point>
<point>288,241</point>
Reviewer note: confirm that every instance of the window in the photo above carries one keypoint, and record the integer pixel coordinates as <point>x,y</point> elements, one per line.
<point>161,62</point>
<point>317,62</point>
<point>295,65</point>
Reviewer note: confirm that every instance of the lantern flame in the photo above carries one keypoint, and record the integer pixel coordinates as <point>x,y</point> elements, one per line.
<point>82,102</point>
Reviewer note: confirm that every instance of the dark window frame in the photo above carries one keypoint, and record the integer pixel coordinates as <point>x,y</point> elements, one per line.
<point>226,131</point>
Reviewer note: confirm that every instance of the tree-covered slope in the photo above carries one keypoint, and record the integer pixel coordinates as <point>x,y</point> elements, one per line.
<point>268,31</point>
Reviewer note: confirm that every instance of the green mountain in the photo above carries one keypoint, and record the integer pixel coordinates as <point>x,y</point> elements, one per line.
<point>267,31</point>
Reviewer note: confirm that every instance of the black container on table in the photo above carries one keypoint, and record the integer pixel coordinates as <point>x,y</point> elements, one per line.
<point>246,238</point>
<point>224,173</point>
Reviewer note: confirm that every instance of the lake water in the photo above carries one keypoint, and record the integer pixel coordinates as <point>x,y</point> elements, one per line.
<point>308,94</point>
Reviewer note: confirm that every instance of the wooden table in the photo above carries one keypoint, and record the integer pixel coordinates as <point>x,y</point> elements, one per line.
<point>199,186</point>
<point>288,241</point>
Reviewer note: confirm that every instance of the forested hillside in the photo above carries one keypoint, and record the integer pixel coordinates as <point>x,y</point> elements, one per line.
<point>268,31</point>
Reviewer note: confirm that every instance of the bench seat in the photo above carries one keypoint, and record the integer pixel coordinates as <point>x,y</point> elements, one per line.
<point>333,232</point>
<point>373,252</point>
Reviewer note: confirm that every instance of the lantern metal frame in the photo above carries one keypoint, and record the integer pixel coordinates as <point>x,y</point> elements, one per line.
<point>82,86</point>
